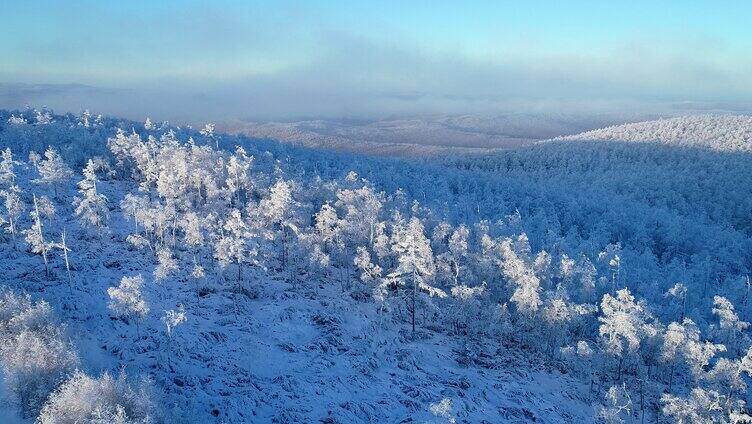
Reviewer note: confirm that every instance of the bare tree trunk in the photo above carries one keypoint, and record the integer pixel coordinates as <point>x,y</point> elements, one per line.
<point>618,371</point>
<point>415,293</point>
<point>642,402</point>
<point>13,232</point>
<point>671,377</point>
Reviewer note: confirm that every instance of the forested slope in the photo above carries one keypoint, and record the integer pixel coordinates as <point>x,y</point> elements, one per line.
<point>250,280</point>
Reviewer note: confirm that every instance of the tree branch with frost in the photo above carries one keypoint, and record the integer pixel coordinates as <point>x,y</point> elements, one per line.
<point>127,299</point>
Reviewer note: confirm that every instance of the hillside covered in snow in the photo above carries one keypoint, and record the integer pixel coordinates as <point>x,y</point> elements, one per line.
<point>165,274</point>
<point>719,132</point>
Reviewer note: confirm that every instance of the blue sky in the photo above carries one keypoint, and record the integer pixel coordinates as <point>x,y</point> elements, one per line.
<point>337,58</point>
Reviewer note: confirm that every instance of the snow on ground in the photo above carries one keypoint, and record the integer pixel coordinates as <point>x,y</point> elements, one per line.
<point>286,353</point>
<point>270,348</point>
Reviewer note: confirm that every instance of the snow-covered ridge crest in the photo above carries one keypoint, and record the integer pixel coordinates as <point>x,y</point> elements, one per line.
<point>717,132</point>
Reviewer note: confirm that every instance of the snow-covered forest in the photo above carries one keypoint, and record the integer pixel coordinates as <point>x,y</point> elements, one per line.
<point>155,273</point>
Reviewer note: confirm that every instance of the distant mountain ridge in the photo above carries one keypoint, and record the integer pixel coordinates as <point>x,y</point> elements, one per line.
<point>426,135</point>
<point>718,132</point>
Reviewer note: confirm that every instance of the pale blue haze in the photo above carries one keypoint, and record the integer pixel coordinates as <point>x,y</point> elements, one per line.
<point>377,58</point>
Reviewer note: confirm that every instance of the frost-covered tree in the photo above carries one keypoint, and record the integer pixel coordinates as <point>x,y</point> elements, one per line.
<point>85,120</point>
<point>171,168</point>
<point>193,237</point>
<point>611,255</point>
<point>729,321</point>
<point>467,312</point>
<point>91,206</point>
<point>135,207</point>
<point>13,208</point>
<point>560,315</point>
<point>443,409</point>
<point>675,341</point>
<point>682,345</point>
<point>10,193</point>
<point>526,285</point>
<point>166,264</point>
<point>162,218</point>
<point>130,150</point>
<point>35,237</point>
<point>727,376</point>
<point>567,268</point>
<point>381,245</point>
<point>232,246</point>
<point>238,181</point>
<point>702,406</point>
<point>43,117</point>
<point>369,272</point>
<point>7,172</point>
<point>618,405</point>
<point>275,207</point>
<point>362,208</point>
<point>46,208</point>
<point>452,261</point>
<point>53,170</point>
<point>679,292</point>
<point>621,324</point>
<point>172,319</point>
<point>208,132</point>
<point>277,210</point>
<point>35,353</point>
<point>415,265</point>
<point>17,120</point>
<point>103,400</point>
<point>127,299</point>
<point>587,274</point>
<point>328,228</point>
<point>34,159</point>
<point>698,354</point>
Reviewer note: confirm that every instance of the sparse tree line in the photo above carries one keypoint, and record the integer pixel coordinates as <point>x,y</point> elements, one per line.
<point>222,218</point>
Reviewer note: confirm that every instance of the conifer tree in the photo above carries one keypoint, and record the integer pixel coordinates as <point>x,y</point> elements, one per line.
<point>91,206</point>
<point>13,208</point>
<point>7,173</point>
<point>53,170</point>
